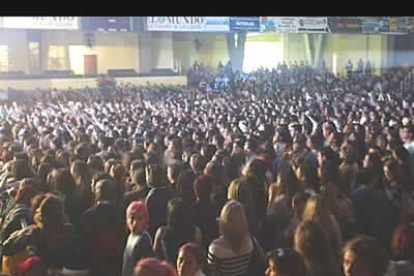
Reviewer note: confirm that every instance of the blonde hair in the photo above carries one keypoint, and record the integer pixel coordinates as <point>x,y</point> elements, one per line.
<point>233,225</point>
<point>241,191</point>
<point>317,210</point>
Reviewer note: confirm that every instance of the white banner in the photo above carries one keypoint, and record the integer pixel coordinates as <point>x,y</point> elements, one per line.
<point>188,23</point>
<point>45,23</point>
<point>176,23</point>
<point>312,24</point>
<point>279,24</point>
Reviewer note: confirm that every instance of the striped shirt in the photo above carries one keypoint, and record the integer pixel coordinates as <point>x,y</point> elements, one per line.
<point>224,262</point>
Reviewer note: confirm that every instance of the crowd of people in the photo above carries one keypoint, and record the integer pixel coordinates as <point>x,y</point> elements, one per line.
<point>292,172</point>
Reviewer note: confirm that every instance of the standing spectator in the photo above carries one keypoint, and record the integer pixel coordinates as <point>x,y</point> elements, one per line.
<point>139,243</point>
<point>285,261</point>
<point>191,260</point>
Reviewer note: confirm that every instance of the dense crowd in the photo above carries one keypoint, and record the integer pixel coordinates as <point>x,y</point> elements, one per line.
<point>291,172</point>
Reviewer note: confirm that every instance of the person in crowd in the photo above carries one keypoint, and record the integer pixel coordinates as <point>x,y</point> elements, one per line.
<point>205,211</point>
<point>153,267</point>
<point>232,252</point>
<point>51,237</point>
<point>180,229</point>
<point>312,242</point>
<point>363,255</point>
<point>139,242</point>
<point>103,232</point>
<point>285,261</point>
<point>191,260</point>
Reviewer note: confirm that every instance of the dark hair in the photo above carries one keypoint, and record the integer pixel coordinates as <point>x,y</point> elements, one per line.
<point>139,177</point>
<point>196,251</point>
<point>185,186</point>
<point>287,261</point>
<point>370,252</point>
<point>95,162</point>
<point>402,243</point>
<point>203,187</point>
<point>155,175</point>
<point>64,182</point>
<point>25,195</point>
<point>106,190</point>
<point>42,171</point>
<point>178,216</point>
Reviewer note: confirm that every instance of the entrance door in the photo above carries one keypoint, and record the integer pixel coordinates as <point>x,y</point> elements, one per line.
<point>91,65</point>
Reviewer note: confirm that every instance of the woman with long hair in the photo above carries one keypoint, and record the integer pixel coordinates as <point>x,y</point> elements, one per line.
<point>312,242</point>
<point>318,211</point>
<point>232,252</point>
<point>179,230</point>
<point>83,179</point>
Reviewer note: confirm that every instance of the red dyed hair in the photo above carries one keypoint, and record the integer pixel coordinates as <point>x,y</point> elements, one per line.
<point>28,265</point>
<point>138,206</point>
<point>153,267</point>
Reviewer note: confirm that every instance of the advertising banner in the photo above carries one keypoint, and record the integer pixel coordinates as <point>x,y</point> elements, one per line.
<point>175,23</point>
<point>370,25</point>
<point>279,24</point>
<point>217,24</point>
<point>41,23</point>
<point>245,24</point>
<point>345,24</point>
<point>188,23</point>
<point>312,24</point>
<point>393,25</point>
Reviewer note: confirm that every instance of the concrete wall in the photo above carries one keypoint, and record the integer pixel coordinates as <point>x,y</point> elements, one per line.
<point>18,49</point>
<point>78,83</point>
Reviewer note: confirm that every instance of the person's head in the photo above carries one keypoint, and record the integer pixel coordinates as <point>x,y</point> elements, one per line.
<point>197,163</point>
<point>407,133</point>
<point>402,242</point>
<point>393,173</point>
<point>63,182</point>
<point>233,224</point>
<point>153,267</point>
<point>299,203</point>
<point>139,178</point>
<point>105,190</point>
<point>285,262</point>
<point>240,190</point>
<point>173,171</point>
<point>364,256</point>
<point>307,175</point>
<point>25,194</point>
<point>178,215</point>
<point>42,172</point>
<point>317,209</point>
<point>50,212</point>
<point>82,177</point>
<point>95,164</point>
<point>185,186</point>
<point>287,183</point>
<point>191,259</point>
<point>312,242</point>
<point>204,187</point>
<point>137,217</point>
<point>155,175</point>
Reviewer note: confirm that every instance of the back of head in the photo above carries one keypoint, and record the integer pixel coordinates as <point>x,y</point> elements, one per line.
<point>64,182</point>
<point>50,212</point>
<point>105,190</point>
<point>233,225</point>
<point>153,267</point>
<point>203,187</point>
<point>287,262</point>
<point>316,209</point>
<point>155,175</point>
<point>185,184</point>
<point>312,242</point>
